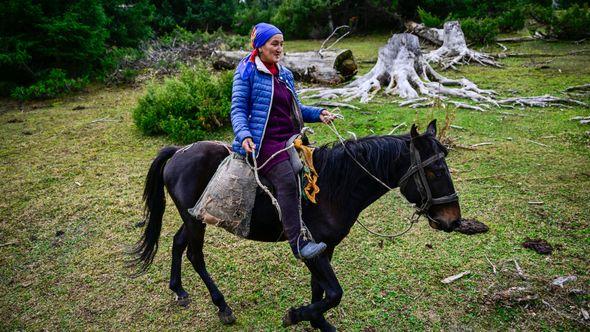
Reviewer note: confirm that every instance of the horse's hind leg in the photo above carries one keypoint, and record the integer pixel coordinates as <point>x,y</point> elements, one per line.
<point>178,247</point>
<point>195,255</point>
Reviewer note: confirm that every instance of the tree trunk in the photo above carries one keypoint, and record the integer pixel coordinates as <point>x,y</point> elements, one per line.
<point>329,67</point>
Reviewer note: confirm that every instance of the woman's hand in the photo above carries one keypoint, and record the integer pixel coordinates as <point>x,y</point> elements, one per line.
<point>327,117</point>
<point>248,145</point>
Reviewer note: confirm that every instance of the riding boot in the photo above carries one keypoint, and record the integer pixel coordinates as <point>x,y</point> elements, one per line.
<point>285,181</point>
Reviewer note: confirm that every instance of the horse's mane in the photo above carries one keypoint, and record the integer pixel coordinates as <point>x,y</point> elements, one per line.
<point>338,172</point>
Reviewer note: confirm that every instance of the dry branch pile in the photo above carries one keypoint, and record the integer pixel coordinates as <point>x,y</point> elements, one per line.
<point>160,59</point>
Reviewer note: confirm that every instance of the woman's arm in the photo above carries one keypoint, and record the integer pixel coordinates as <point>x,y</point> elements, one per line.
<point>240,98</point>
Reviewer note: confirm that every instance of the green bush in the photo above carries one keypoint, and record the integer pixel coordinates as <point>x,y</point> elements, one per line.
<point>429,19</point>
<point>186,108</point>
<point>570,24</point>
<point>511,20</point>
<point>573,23</point>
<point>52,85</point>
<point>480,31</point>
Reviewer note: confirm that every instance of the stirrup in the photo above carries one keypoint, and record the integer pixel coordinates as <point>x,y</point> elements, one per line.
<point>311,250</point>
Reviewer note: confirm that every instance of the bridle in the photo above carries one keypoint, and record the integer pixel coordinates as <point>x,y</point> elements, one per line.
<point>416,170</point>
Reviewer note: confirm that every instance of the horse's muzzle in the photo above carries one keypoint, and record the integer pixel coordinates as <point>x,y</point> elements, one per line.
<point>444,217</point>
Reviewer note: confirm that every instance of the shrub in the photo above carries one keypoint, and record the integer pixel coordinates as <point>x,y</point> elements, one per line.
<point>186,108</point>
<point>429,19</point>
<point>480,31</point>
<point>511,20</point>
<point>569,24</point>
<point>50,86</point>
<point>573,23</point>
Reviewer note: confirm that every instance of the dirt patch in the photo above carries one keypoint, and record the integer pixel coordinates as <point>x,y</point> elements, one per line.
<point>471,226</point>
<point>539,245</point>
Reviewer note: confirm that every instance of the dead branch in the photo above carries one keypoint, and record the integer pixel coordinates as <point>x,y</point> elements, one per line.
<point>335,104</point>
<point>455,277</point>
<point>583,87</point>
<point>519,270</point>
<point>493,266</point>
<point>403,124</point>
<point>535,142</point>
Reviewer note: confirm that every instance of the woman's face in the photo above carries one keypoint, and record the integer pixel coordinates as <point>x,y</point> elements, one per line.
<point>272,50</point>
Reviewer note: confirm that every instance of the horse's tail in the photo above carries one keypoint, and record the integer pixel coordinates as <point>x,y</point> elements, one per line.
<point>155,204</point>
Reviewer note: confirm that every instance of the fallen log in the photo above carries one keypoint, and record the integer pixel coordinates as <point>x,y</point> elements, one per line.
<point>328,67</point>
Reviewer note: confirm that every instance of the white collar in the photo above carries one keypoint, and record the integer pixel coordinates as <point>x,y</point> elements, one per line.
<point>262,67</point>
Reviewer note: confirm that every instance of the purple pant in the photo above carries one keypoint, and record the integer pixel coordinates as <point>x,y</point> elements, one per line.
<point>284,180</point>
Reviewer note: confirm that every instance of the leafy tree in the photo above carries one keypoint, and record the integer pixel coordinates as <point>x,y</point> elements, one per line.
<point>129,21</point>
<point>36,36</point>
<point>193,15</point>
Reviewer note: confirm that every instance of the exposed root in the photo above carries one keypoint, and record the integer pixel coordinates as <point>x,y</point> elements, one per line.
<point>541,101</point>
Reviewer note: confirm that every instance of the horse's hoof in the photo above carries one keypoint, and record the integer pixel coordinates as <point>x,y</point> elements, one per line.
<point>183,301</point>
<point>226,316</point>
<point>287,319</point>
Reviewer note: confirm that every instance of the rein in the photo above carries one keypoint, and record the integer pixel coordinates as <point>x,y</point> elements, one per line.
<point>415,170</point>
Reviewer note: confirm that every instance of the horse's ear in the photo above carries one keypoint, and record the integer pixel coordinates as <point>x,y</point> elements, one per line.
<point>432,128</point>
<point>414,131</point>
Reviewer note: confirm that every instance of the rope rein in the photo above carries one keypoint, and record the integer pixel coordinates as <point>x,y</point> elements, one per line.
<point>415,216</point>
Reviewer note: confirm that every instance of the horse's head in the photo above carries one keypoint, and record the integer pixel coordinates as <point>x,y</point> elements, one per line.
<point>428,182</point>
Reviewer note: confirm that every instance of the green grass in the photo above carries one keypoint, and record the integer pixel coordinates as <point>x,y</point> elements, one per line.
<point>64,171</point>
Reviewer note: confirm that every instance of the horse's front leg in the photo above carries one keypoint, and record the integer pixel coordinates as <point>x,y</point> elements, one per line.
<point>324,275</point>
<point>317,293</point>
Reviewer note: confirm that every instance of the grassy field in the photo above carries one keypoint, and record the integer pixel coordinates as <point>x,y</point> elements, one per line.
<point>73,172</point>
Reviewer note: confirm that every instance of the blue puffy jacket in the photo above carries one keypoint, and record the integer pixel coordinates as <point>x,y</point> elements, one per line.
<point>251,101</point>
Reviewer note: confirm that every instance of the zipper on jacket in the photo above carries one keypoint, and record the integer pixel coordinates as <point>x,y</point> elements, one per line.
<point>272,93</point>
<point>298,114</point>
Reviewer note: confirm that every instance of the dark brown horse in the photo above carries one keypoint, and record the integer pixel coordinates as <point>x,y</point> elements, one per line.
<point>417,161</point>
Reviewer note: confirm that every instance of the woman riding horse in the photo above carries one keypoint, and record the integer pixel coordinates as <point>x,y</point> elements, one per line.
<point>351,175</point>
<point>265,114</point>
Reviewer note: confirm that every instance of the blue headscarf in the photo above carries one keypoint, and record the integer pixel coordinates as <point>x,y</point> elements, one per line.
<point>260,34</point>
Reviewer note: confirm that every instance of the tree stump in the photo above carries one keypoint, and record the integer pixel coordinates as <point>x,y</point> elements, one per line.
<point>403,71</point>
<point>454,50</point>
<point>432,35</point>
<point>326,67</point>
